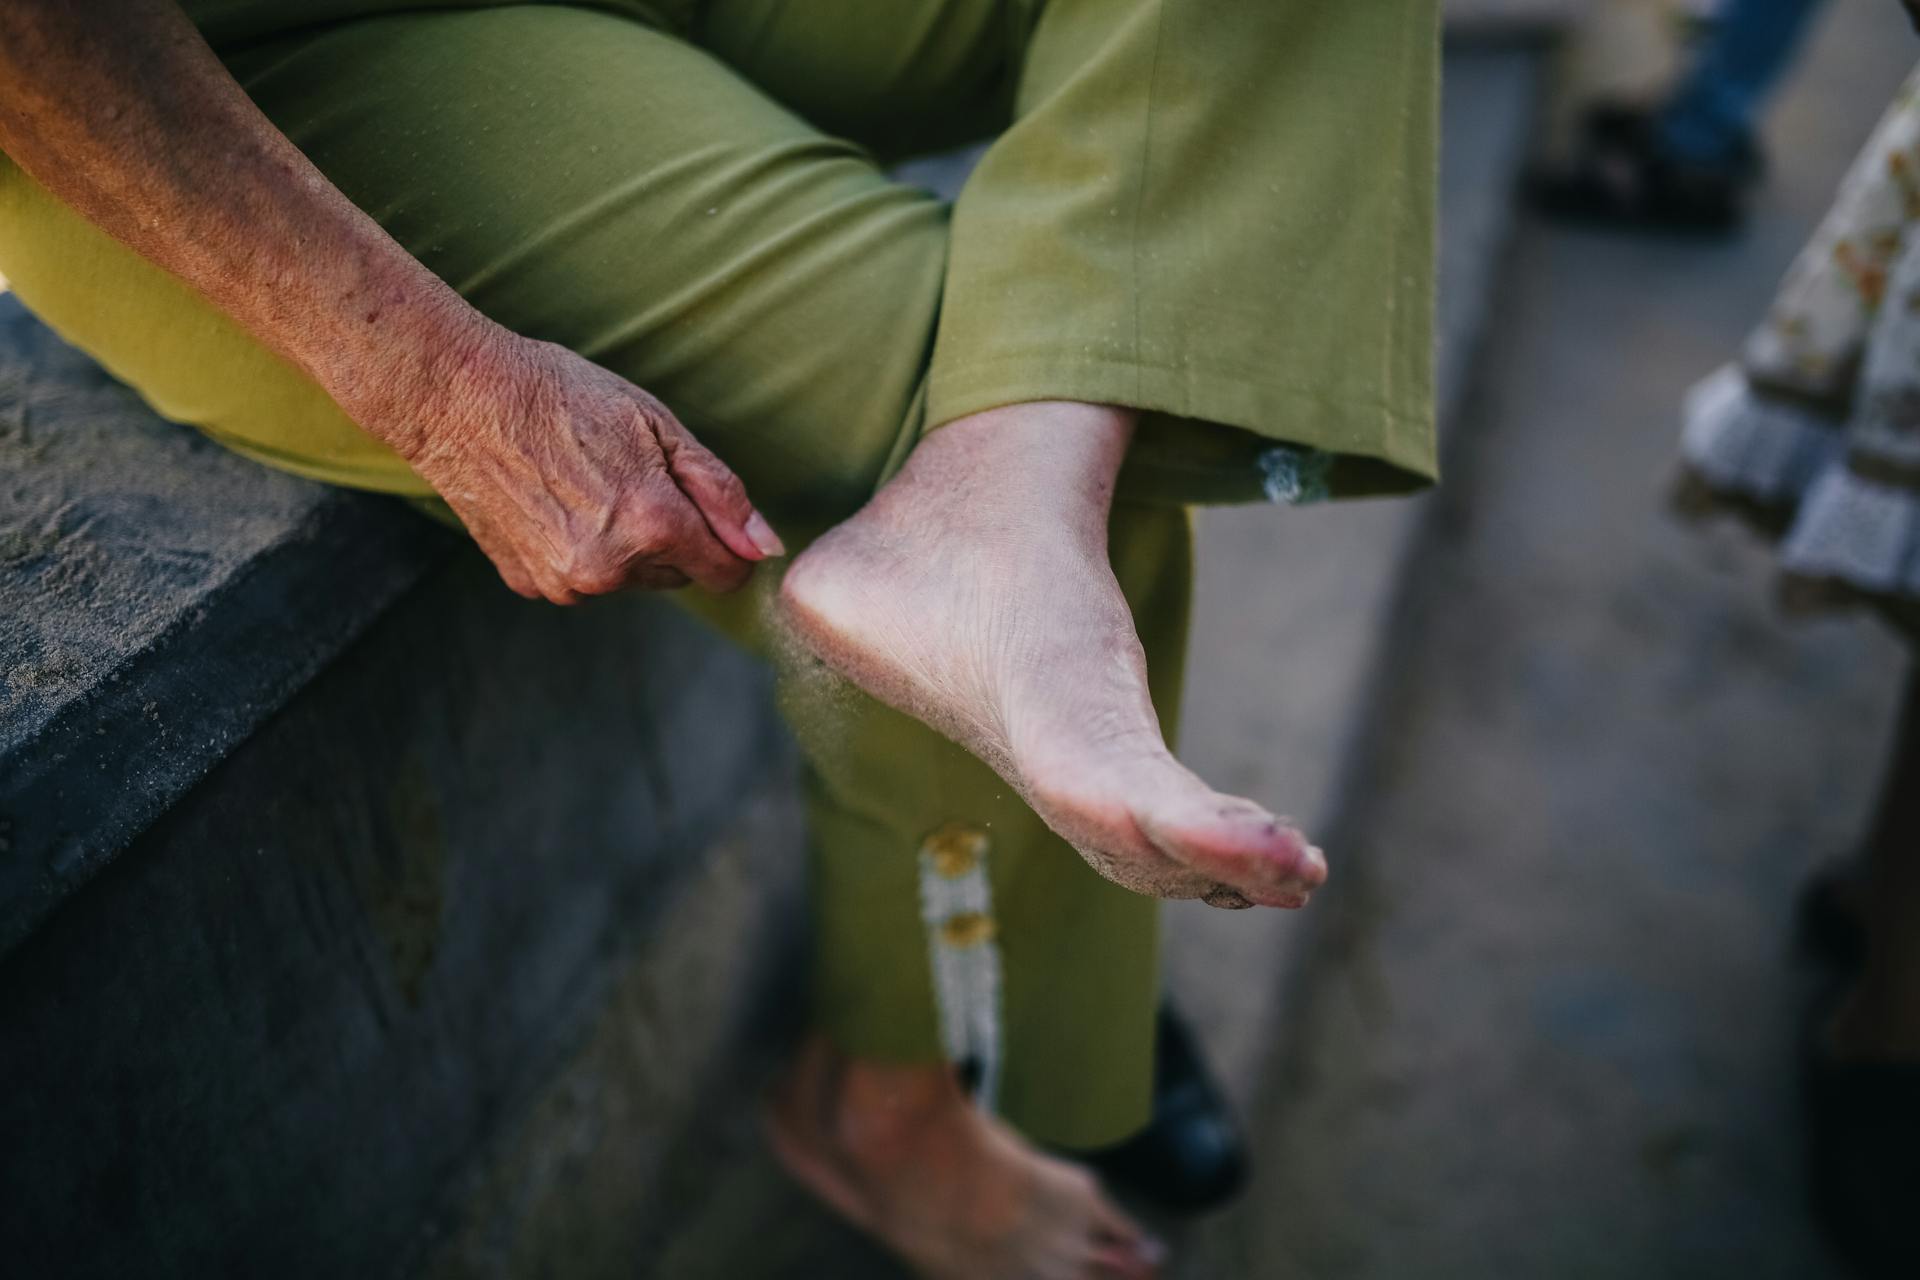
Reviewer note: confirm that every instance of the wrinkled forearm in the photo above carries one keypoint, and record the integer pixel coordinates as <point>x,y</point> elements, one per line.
<point>120,109</point>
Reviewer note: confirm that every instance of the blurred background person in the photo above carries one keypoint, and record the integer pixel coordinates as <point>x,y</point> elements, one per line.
<point>1688,160</point>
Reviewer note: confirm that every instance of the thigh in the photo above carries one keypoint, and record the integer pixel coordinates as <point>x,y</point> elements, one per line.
<point>580,178</point>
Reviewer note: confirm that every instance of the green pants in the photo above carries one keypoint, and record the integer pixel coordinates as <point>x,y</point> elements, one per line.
<point>1218,212</point>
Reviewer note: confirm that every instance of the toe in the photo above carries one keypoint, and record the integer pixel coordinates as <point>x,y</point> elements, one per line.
<point>1111,1226</point>
<point>1128,1262</point>
<point>1121,1247</point>
<point>1254,857</point>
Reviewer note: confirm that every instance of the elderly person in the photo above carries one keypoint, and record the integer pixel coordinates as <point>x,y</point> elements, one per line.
<point>623,289</point>
<point>1691,160</point>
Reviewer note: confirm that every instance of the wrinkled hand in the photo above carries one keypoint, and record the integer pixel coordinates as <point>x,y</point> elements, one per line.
<point>575,482</point>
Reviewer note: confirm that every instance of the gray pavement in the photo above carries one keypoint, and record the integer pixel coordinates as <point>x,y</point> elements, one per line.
<point>1547,1005</point>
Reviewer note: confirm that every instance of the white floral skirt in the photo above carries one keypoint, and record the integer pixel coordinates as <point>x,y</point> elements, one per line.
<point>1813,435</point>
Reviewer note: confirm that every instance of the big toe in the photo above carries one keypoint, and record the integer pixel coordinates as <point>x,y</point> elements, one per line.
<point>1124,1262</point>
<point>1122,1250</point>
<point>1256,858</point>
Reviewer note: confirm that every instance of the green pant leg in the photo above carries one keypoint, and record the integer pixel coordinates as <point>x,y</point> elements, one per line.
<point>1046,973</point>
<point>1222,212</point>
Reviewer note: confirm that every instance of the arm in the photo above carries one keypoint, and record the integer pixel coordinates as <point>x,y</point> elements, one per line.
<point>572,480</point>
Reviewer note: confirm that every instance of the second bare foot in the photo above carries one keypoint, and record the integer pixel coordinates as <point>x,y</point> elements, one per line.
<point>904,1155</point>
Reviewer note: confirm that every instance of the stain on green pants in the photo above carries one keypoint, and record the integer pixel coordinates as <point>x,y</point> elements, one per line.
<point>1216,211</point>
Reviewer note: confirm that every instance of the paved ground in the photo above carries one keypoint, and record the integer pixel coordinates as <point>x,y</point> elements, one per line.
<point>1546,1015</point>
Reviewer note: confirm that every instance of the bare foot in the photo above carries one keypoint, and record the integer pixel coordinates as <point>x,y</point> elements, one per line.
<point>900,1152</point>
<point>974,593</point>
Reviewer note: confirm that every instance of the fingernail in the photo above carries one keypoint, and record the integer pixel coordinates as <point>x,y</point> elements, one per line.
<point>761,535</point>
<point>1152,1251</point>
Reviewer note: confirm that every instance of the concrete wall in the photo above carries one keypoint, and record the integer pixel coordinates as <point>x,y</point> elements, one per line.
<point>286,1029</point>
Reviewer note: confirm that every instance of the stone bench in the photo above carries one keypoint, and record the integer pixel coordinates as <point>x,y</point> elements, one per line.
<point>320,852</point>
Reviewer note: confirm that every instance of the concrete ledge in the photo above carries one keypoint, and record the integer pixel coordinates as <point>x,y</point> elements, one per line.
<point>321,854</point>
<point>294,1016</point>
<point>159,598</point>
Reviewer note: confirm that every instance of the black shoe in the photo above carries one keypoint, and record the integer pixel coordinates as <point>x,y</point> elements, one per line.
<point>1862,1133</point>
<point>1191,1157</point>
<point>1828,929</point>
<point>1621,176</point>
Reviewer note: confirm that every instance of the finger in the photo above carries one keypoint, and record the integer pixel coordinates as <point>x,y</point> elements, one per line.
<point>702,558</point>
<point>1122,1263</point>
<point>1122,1248</point>
<point>552,584</point>
<point>659,543</point>
<point>717,493</point>
<point>683,540</point>
<point>1110,1261</point>
<point>512,569</point>
<point>1112,1227</point>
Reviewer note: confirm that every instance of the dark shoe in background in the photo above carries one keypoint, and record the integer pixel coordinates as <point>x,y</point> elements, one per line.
<point>1620,176</point>
<point>1862,1133</point>
<point>1860,1121</point>
<point>1192,1156</point>
<point>1828,930</point>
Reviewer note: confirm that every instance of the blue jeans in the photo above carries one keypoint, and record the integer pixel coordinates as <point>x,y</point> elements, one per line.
<point>1710,114</point>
